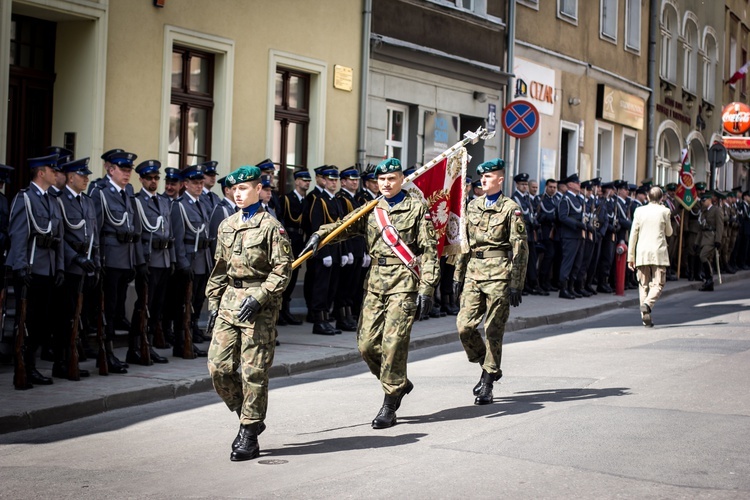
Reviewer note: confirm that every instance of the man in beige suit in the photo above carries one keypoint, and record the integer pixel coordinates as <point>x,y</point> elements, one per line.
<point>647,250</point>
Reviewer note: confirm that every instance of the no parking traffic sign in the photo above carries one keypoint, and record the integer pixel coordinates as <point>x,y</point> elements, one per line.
<point>520,119</point>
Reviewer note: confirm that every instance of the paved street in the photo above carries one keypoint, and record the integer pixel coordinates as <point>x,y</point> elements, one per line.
<point>599,408</point>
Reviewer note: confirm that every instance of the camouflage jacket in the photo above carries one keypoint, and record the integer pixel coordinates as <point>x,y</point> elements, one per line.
<point>257,252</point>
<point>497,227</point>
<point>411,218</point>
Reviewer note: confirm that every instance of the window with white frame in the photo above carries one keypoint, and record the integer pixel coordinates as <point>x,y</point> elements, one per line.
<point>608,19</point>
<point>465,5</point>
<point>534,4</point>
<point>397,130</point>
<point>633,25</point>
<point>604,151</point>
<point>710,62</point>
<point>690,64</point>
<point>568,9</point>
<point>669,34</point>
<point>629,155</point>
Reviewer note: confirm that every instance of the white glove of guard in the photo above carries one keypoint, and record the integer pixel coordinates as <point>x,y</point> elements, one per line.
<point>328,261</point>
<point>344,260</point>
<point>349,259</point>
<point>366,260</point>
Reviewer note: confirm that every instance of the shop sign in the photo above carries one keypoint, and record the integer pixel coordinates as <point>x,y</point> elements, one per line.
<point>536,84</point>
<point>620,107</point>
<point>738,148</point>
<point>736,118</point>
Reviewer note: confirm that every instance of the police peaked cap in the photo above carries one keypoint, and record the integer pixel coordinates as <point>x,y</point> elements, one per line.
<point>586,185</point>
<point>147,167</point>
<point>109,153</point>
<point>596,181</point>
<point>522,177</point>
<point>477,183</point>
<point>245,173</point>
<point>608,185</point>
<point>388,166</point>
<point>491,166</point>
<point>266,164</point>
<point>43,161</point>
<point>123,159</point>
<point>571,178</point>
<point>302,174</point>
<point>349,173</point>
<point>193,172</point>
<point>265,182</point>
<point>80,166</point>
<point>172,174</point>
<point>5,171</point>
<point>209,167</point>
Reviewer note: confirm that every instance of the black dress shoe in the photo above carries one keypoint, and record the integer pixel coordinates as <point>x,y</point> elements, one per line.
<point>60,370</point>
<point>134,356</point>
<point>605,288</point>
<point>157,358</point>
<point>280,321</point>
<point>247,445</point>
<point>386,417</point>
<point>590,289</point>
<point>114,365</point>
<point>236,442</point>
<point>323,328</point>
<point>36,378</point>
<point>565,294</point>
<point>199,353</point>
<point>583,292</point>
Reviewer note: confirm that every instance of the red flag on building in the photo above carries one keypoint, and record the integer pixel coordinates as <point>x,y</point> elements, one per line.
<point>442,188</point>
<point>739,74</point>
<point>687,193</point>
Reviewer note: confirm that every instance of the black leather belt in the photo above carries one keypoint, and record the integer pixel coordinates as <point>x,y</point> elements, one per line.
<point>488,254</point>
<point>202,244</point>
<point>294,230</point>
<point>78,246</point>
<point>388,261</point>
<point>238,283</point>
<point>161,244</point>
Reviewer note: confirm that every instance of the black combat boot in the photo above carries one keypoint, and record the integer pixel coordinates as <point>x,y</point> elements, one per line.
<point>247,445</point>
<point>580,290</point>
<point>564,293</point>
<point>484,397</point>
<point>475,391</point>
<point>407,389</point>
<point>572,289</point>
<point>236,442</point>
<point>708,285</point>
<point>387,415</point>
<point>449,305</point>
<point>538,290</point>
<point>343,322</point>
<point>321,326</point>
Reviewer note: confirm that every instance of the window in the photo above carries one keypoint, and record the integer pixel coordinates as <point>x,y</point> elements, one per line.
<point>291,124</point>
<point>465,5</point>
<point>534,4</point>
<point>32,43</point>
<point>629,155</point>
<point>608,21</point>
<point>396,132</point>
<point>710,61</point>
<point>743,82</point>
<point>191,107</point>
<point>690,77</point>
<point>604,151</point>
<point>669,33</point>
<point>568,9</point>
<point>732,58</point>
<point>633,25</point>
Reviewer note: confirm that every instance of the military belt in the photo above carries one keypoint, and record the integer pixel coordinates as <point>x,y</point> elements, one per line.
<point>46,241</point>
<point>160,244</point>
<point>202,243</point>
<point>78,246</point>
<point>238,283</point>
<point>389,261</point>
<point>121,237</point>
<point>488,254</point>
<point>709,229</point>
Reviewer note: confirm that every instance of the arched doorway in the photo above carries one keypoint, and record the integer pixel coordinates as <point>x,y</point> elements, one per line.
<point>667,164</point>
<point>698,156</point>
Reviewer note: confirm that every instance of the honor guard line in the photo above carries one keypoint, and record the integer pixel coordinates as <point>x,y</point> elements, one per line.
<point>469,137</point>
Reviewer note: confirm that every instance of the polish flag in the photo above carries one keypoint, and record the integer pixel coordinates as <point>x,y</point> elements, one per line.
<point>740,74</point>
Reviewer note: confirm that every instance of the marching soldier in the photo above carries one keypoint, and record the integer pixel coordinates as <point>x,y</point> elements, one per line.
<point>208,197</point>
<point>253,266</point>
<point>521,197</point>
<point>291,217</point>
<point>712,230</point>
<point>572,233</point>
<point>548,220</point>
<point>122,256</point>
<point>81,250</point>
<point>349,277</point>
<point>490,277</point>
<point>192,253</point>
<point>36,258</point>
<point>157,242</point>
<point>399,233</point>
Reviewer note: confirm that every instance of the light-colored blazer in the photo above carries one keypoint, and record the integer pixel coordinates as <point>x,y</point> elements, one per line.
<point>648,236</point>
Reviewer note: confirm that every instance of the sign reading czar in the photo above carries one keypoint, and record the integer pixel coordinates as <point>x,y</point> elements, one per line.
<point>536,84</point>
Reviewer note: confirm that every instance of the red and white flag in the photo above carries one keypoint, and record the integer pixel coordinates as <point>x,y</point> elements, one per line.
<point>740,74</point>
<point>442,188</point>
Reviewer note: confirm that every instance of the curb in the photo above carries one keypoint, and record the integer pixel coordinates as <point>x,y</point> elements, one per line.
<point>138,396</point>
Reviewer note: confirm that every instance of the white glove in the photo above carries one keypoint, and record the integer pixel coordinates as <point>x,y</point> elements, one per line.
<point>349,258</point>
<point>328,261</point>
<point>366,260</point>
<point>344,260</point>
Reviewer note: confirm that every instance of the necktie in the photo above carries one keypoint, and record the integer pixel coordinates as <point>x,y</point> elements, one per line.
<point>122,193</point>
<point>198,206</point>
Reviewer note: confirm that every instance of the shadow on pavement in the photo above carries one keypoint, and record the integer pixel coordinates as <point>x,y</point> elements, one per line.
<point>516,404</point>
<point>342,444</point>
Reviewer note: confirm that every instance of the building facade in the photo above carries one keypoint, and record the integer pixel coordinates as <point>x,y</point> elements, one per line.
<point>736,49</point>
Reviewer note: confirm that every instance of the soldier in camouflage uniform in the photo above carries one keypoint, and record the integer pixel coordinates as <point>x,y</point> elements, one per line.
<point>712,231</point>
<point>395,294</point>
<point>491,276</point>
<point>253,266</point>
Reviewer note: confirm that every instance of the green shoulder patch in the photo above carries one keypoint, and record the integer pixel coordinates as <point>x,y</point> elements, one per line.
<point>520,227</point>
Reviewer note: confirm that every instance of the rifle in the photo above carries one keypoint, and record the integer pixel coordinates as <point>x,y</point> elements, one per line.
<point>19,376</point>
<point>159,341</point>
<point>187,344</point>
<point>4,307</point>
<point>73,359</point>
<point>101,359</point>
<point>143,320</point>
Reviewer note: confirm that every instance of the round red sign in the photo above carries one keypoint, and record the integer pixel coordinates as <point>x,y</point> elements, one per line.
<point>736,118</point>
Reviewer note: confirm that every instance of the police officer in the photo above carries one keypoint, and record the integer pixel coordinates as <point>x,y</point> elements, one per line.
<point>157,243</point>
<point>253,266</point>
<point>80,247</point>
<point>490,277</point>
<point>609,243</point>
<point>193,254</point>
<point>36,258</point>
<point>268,172</point>
<point>122,256</point>
<point>548,222</point>
<point>523,200</point>
<point>208,197</point>
<point>397,232</point>
<point>64,156</point>
<point>172,183</point>
<point>221,211</point>
<point>623,213</point>
<point>5,171</point>
<point>712,230</point>
<point>354,248</point>
<point>266,194</point>
<point>291,217</point>
<point>572,233</point>
<point>103,181</point>
<point>367,193</point>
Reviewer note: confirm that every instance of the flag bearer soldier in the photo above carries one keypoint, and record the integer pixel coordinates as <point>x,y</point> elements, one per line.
<point>548,221</point>
<point>253,266</point>
<point>291,217</point>
<point>522,199</point>
<point>402,279</point>
<point>712,230</point>
<point>80,247</point>
<point>222,210</point>
<point>323,209</point>
<point>208,197</point>
<point>157,243</point>
<point>572,234</point>
<point>36,258</point>
<point>193,253</point>
<point>349,277</point>
<point>121,254</point>
<point>490,277</point>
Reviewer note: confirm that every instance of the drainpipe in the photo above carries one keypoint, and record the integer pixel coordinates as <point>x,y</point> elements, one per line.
<point>650,147</point>
<point>364,78</point>
<point>510,169</point>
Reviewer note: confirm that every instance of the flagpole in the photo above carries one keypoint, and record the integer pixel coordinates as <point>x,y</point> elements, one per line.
<point>469,137</point>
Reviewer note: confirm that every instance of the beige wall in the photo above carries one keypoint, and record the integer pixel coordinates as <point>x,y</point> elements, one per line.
<point>327,30</point>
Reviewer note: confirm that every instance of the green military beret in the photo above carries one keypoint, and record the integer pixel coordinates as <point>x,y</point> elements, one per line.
<point>491,166</point>
<point>388,166</point>
<point>707,195</point>
<point>720,195</point>
<point>672,186</point>
<point>701,186</point>
<point>243,174</point>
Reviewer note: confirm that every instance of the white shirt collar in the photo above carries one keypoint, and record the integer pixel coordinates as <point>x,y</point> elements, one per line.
<point>191,196</point>
<point>118,188</point>
<point>41,191</point>
<point>72,191</point>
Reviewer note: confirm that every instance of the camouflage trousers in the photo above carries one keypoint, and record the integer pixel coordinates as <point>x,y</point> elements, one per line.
<point>249,346</point>
<point>486,300</point>
<point>383,336</point>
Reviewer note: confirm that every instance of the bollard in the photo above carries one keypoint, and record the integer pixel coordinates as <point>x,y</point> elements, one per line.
<point>620,263</point>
